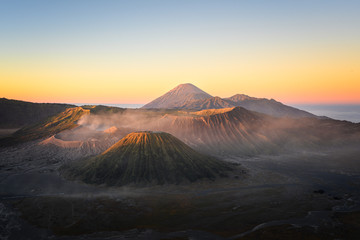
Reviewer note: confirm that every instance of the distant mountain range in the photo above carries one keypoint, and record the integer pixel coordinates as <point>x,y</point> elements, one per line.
<point>234,130</point>
<point>188,96</point>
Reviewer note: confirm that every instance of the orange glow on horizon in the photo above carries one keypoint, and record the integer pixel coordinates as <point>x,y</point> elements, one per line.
<point>306,78</point>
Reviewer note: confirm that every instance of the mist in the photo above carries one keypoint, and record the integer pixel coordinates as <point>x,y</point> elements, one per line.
<point>340,112</point>
<point>234,132</point>
<point>139,121</point>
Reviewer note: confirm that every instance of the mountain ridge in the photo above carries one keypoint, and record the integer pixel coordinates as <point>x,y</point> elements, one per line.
<point>187,96</point>
<point>241,131</point>
<point>16,113</point>
<point>63,121</point>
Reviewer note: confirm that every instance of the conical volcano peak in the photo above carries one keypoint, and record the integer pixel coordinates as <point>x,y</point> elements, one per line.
<point>140,137</point>
<point>187,88</point>
<point>179,96</point>
<point>149,157</point>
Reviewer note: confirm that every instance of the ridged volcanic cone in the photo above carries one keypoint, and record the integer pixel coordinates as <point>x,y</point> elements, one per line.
<point>148,157</point>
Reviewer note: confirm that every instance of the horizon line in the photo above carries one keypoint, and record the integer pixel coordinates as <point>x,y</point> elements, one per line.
<point>132,103</point>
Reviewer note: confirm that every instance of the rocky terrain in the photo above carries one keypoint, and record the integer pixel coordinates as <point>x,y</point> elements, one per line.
<point>99,172</point>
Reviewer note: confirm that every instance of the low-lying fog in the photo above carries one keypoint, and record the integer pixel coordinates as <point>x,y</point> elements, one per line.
<point>349,112</point>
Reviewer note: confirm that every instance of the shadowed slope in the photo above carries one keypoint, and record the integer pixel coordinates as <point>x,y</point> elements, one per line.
<point>15,114</point>
<point>148,157</point>
<point>231,130</point>
<point>62,121</point>
<point>239,131</point>
<point>263,105</point>
<point>240,97</point>
<point>210,103</point>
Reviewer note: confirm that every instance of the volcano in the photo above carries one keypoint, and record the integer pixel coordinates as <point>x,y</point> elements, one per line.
<point>179,96</point>
<point>189,97</point>
<point>267,106</point>
<point>148,157</point>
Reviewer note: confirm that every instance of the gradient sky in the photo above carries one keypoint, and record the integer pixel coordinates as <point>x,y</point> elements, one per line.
<point>134,51</point>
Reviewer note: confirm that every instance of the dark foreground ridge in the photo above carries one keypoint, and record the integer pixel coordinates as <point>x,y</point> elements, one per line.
<point>148,157</point>
<point>63,121</point>
<point>17,114</point>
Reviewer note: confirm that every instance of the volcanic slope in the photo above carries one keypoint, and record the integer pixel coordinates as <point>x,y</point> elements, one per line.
<point>263,105</point>
<point>240,131</point>
<point>179,96</point>
<point>188,96</point>
<point>230,130</point>
<point>56,124</point>
<point>147,157</point>
<point>210,103</point>
<point>16,114</point>
<point>80,142</point>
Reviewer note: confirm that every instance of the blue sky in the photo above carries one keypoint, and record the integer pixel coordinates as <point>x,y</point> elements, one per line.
<point>172,42</point>
<point>135,24</point>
